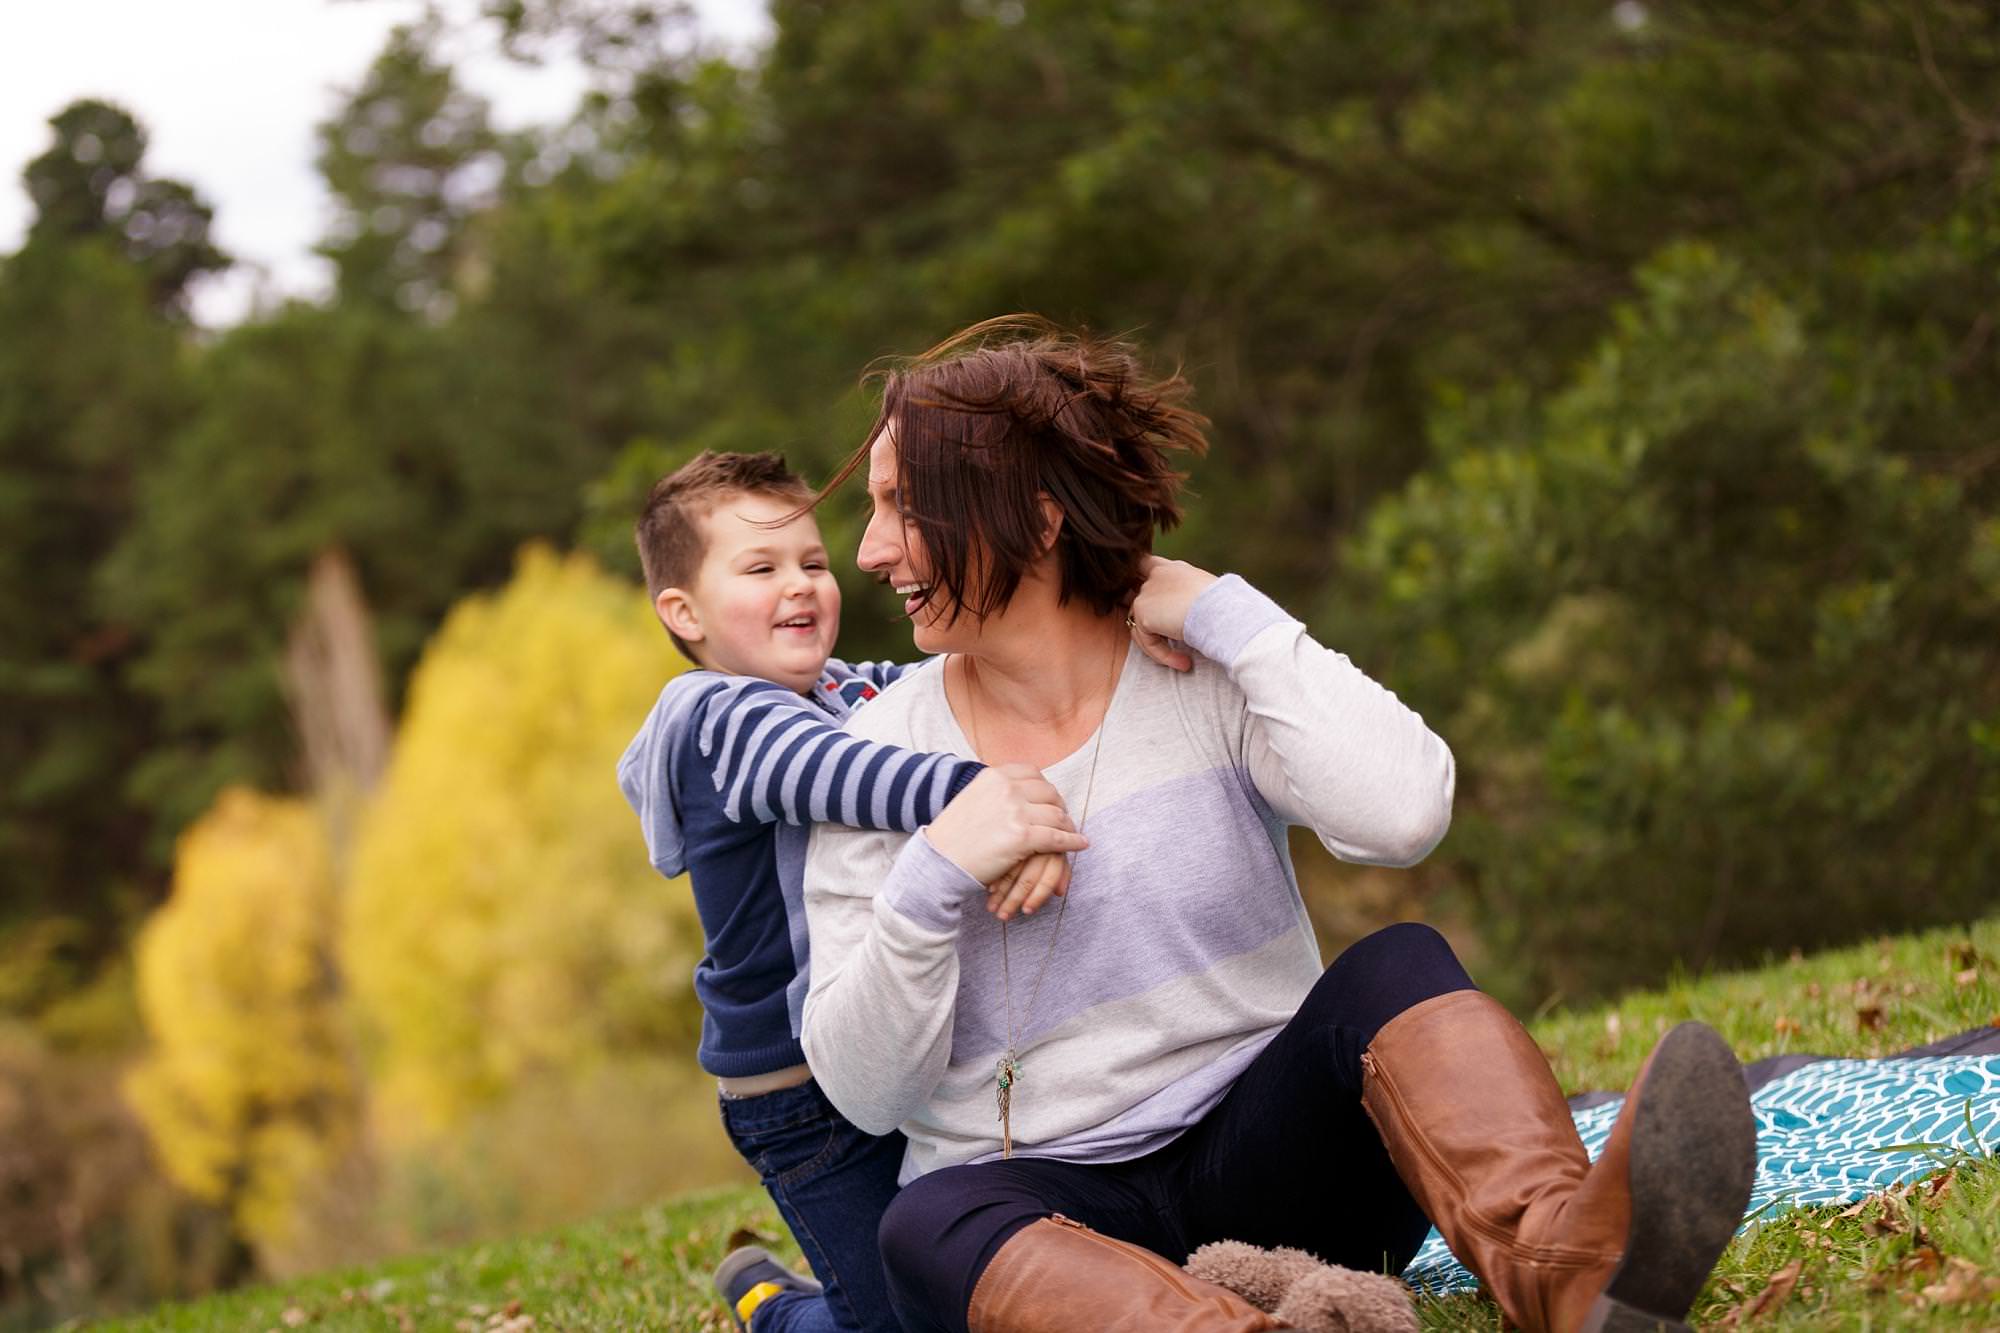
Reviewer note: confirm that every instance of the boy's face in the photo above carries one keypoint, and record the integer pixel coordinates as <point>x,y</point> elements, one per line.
<point>763,603</point>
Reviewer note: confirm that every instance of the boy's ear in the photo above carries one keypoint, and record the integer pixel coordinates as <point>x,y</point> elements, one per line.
<point>677,612</point>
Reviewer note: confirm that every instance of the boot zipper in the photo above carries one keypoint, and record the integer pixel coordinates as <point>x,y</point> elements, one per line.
<point>1166,1268</point>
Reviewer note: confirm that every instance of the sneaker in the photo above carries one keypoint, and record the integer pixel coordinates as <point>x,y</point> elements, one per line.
<point>750,1276</point>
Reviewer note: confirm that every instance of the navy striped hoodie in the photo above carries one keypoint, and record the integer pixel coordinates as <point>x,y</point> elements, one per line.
<point>728,775</point>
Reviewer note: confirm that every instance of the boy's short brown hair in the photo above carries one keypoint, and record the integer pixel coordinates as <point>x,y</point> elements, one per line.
<point>669,534</point>
<point>1012,409</point>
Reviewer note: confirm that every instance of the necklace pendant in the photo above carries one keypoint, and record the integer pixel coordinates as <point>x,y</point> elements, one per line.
<point>1005,1075</point>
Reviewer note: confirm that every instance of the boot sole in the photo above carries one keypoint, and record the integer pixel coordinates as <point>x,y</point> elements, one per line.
<point>1694,1159</point>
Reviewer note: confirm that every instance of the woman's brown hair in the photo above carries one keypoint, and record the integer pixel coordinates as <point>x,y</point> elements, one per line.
<point>1012,409</point>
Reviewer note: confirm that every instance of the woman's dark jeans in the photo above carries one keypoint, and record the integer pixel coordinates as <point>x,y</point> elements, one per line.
<point>1287,1157</point>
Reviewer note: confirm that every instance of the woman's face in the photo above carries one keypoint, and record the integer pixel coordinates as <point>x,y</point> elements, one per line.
<point>892,550</point>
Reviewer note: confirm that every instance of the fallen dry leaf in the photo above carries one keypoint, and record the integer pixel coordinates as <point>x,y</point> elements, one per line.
<point>1785,1025</point>
<point>1968,977</point>
<point>1868,1016</point>
<point>1924,1259</point>
<point>1887,1224</point>
<point>294,1316</point>
<point>1963,1282</point>
<point>1775,1293</point>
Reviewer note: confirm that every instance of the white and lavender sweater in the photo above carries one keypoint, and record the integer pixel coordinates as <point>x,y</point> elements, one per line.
<point>1185,946</point>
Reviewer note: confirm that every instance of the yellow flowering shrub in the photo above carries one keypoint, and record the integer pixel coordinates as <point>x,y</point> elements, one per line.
<point>501,921</point>
<point>247,1092</point>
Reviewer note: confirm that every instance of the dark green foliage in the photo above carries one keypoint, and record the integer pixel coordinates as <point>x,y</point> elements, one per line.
<point>316,428</point>
<point>91,380</point>
<point>89,185</point>
<point>426,440</point>
<point>1715,632</point>
<point>409,160</point>
<point>83,401</point>
<point>1615,379</point>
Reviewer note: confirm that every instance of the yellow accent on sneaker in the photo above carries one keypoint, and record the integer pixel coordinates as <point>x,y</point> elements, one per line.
<point>747,1304</point>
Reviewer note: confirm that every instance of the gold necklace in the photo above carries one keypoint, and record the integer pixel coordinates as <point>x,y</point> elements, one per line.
<point>1007,1072</point>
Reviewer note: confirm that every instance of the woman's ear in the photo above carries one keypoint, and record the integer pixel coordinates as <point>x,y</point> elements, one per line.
<point>677,612</point>
<point>1052,521</point>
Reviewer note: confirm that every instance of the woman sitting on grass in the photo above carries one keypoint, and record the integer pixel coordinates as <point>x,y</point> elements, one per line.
<point>1158,1060</point>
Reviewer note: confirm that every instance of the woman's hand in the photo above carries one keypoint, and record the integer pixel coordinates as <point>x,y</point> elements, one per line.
<point>1028,885</point>
<point>1159,613</point>
<point>1007,814</point>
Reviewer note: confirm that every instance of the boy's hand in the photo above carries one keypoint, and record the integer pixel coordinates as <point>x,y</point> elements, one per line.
<point>1005,815</point>
<point>1159,613</point>
<point>1028,885</point>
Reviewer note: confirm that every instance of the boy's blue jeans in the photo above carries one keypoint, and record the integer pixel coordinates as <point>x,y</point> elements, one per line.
<point>831,1183</point>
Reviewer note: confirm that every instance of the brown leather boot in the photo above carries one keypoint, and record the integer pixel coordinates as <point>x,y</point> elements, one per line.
<point>1479,1131</point>
<point>1059,1276</point>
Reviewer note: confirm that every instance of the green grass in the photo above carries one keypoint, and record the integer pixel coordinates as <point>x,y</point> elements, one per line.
<point>1926,1256</point>
<point>646,1269</point>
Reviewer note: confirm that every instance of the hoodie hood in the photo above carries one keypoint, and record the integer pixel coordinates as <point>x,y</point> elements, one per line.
<point>647,771</point>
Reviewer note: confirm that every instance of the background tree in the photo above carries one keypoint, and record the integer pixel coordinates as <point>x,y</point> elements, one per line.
<point>91,185</point>
<point>502,923</point>
<point>248,1092</point>
<point>1702,629</point>
<point>409,160</point>
<point>425,445</point>
<point>92,375</point>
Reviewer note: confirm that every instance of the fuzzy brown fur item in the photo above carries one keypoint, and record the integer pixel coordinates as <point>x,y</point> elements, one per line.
<point>1304,1293</point>
<point>1341,1300</point>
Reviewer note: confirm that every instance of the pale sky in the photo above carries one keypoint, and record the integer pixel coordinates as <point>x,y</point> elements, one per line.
<point>229,92</point>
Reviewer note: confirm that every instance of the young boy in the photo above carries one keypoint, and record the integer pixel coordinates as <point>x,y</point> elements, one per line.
<point>733,765</point>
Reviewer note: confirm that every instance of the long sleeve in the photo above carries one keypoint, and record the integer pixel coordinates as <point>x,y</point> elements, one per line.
<point>1325,745</point>
<point>777,758</point>
<point>884,913</point>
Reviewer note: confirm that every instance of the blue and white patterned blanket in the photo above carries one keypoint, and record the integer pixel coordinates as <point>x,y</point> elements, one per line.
<point>1820,1130</point>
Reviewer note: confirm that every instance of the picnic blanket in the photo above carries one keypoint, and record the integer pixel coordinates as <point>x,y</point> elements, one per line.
<point>1821,1127</point>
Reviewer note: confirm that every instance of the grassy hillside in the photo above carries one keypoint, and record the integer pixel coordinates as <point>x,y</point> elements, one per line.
<point>1923,1257</point>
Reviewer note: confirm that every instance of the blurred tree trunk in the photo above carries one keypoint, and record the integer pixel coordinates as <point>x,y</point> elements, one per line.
<point>333,680</point>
